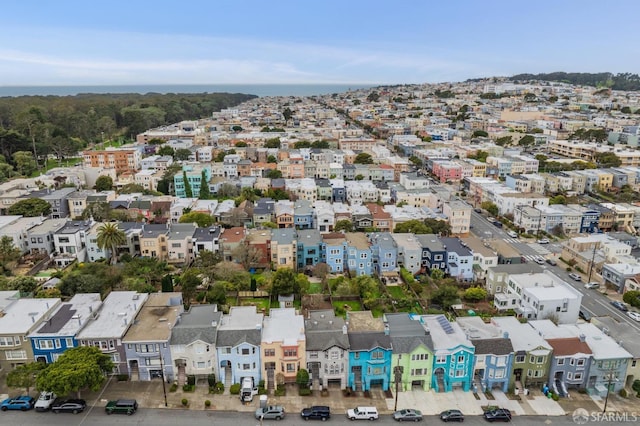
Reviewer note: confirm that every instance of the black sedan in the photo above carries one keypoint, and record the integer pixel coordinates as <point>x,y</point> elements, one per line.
<point>452,416</point>
<point>74,406</point>
<point>498,415</point>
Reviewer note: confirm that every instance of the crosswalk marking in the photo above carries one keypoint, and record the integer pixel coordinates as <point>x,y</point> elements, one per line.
<point>531,257</point>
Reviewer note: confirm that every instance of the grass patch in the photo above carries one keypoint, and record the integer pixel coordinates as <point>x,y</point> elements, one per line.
<point>351,305</point>
<point>396,292</point>
<point>315,288</point>
<point>52,163</point>
<point>260,303</point>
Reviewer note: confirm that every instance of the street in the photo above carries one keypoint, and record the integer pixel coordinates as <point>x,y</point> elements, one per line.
<point>160,417</point>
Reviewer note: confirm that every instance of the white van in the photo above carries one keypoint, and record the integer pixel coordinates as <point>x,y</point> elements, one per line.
<point>247,389</point>
<point>362,413</point>
<point>512,234</point>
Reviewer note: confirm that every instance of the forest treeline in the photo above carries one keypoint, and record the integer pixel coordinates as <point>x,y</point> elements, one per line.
<point>621,81</point>
<point>61,125</point>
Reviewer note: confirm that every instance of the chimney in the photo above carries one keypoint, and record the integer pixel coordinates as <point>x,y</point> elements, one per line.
<point>582,338</point>
<point>505,335</point>
<point>344,329</point>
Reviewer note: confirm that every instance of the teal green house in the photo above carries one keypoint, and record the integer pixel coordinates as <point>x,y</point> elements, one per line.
<point>412,352</point>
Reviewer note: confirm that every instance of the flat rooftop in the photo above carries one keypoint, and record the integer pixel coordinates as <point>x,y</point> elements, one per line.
<point>156,318</point>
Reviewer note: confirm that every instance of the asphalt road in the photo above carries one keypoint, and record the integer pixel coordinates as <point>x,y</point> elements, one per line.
<point>593,301</point>
<point>159,417</point>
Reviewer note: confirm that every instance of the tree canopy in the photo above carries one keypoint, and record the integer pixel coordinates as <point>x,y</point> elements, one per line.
<point>24,376</point>
<point>203,220</point>
<point>80,368</point>
<point>363,158</point>
<point>30,207</point>
<point>103,183</point>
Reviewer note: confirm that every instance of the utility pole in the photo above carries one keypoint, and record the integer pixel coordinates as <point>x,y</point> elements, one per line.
<point>593,258</point>
<point>397,376</point>
<point>164,388</point>
<point>606,398</point>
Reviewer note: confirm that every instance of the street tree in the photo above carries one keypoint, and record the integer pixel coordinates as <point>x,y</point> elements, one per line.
<point>110,237</point>
<point>274,174</point>
<point>504,141</point>
<point>166,150</point>
<point>24,376</point>
<point>412,226</point>
<point>77,369</point>
<point>103,183</point>
<point>8,252</point>
<point>30,207</point>
<point>526,140</point>
<point>182,154</point>
<point>490,207</point>
<point>205,192</point>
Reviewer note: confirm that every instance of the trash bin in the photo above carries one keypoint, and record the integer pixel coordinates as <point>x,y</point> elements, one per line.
<point>263,401</point>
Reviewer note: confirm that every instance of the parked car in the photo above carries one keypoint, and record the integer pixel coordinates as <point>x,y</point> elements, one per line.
<point>634,315</point>
<point>362,413</point>
<point>317,412</point>
<point>539,260</point>
<point>584,315</point>
<point>619,305</point>
<point>477,210</point>
<point>552,262</point>
<point>452,416</point>
<point>74,406</point>
<point>497,223</point>
<point>591,285</point>
<point>512,234</point>
<point>270,412</point>
<point>543,241</point>
<point>498,415</point>
<point>575,276</point>
<point>121,406</point>
<point>44,401</point>
<point>22,403</point>
<point>408,415</point>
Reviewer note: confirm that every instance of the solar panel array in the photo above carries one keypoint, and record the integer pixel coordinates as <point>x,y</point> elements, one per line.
<point>445,324</point>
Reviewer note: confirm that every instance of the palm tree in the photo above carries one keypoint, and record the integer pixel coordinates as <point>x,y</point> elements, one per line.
<point>110,237</point>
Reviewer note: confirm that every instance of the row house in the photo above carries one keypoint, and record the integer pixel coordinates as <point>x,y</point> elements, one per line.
<point>382,221</point>
<point>230,240</point>
<point>284,214</point>
<point>108,326</point>
<point>58,199</point>
<point>385,253</point>
<point>458,214</point>
<point>309,251</point>
<point>58,333</point>
<point>303,215</point>
<point>283,346</point>
<point>358,254</point>
<point>370,352</point>
<point>19,318</point>
<point>483,257</point>
<point>263,211</point>
<point>333,251</point>
<point>147,341</point>
<point>412,353</point>
<point>409,255</point>
<point>259,240</point>
<point>327,345</point>
<point>18,229</point>
<point>41,237</point>
<point>180,243</point>
<point>362,218</point>
<point>193,343</point>
<point>238,345</point>
<point>323,216</point>
<point>459,263</point>
<point>70,242</point>
<point>493,356</point>
<point>284,248</point>
<point>434,253</point>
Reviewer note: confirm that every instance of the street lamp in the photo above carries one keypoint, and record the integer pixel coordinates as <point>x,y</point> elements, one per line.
<point>397,376</point>
<point>164,388</point>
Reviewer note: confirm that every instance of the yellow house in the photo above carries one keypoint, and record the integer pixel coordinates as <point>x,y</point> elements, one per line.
<point>153,241</point>
<point>283,346</point>
<point>605,180</point>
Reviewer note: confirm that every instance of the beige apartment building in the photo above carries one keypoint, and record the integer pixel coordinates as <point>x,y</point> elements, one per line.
<point>122,160</point>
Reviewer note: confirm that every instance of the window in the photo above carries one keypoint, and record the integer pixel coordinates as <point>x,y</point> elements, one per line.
<point>459,373</point>
<point>560,361</point>
<point>291,352</point>
<point>246,366</point>
<point>419,357</point>
<point>377,355</point>
<point>269,352</point>
<point>577,376</point>
<point>519,358</point>
<point>581,362</point>
<point>418,371</point>
<point>356,355</point>
<point>441,359</point>
<point>46,344</point>
<point>245,351</point>
<point>460,358</point>
<point>363,255</point>
<point>540,360</point>
<point>291,367</point>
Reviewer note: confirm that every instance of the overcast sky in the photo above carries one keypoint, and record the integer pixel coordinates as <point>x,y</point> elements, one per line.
<point>291,42</point>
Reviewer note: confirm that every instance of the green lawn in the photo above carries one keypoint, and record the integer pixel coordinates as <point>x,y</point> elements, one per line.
<point>260,303</point>
<point>396,292</point>
<point>53,163</point>
<point>315,288</point>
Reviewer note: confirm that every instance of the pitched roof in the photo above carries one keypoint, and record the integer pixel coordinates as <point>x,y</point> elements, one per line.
<point>569,346</point>
<point>499,346</point>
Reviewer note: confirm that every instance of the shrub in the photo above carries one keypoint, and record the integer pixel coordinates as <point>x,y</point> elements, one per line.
<point>188,388</point>
<point>191,380</point>
<point>304,392</point>
<point>174,387</point>
<point>123,377</point>
<point>219,386</point>
<point>211,378</point>
<point>185,402</point>
<point>261,384</point>
<point>234,389</point>
<point>346,392</point>
<point>207,403</point>
<point>407,276</point>
<point>281,390</point>
<point>624,393</point>
<point>555,397</point>
<point>262,391</point>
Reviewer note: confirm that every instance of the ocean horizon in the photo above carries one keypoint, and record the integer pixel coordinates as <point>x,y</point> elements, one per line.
<point>249,89</point>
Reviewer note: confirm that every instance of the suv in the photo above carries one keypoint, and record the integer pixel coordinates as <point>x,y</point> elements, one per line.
<point>512,234</point>
<point>362,413</point>
<point>575,276</point>
<point>591,285</point>
<point>22,403</point>
<point>552,262</point>
<point>543,241</point>
<point>122,406</point>
<point>317,412</point>
<point>44,401</point>
<point>270,412</point>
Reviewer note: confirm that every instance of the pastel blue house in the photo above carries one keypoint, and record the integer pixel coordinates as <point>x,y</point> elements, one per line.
<point>238,345</point>
<point>358,255</point>
<point>333,248</point>
<point>453,354</point>
<point>370,352</point>
<point>303,214</point>
<point>309,248</point>
<point>385,252</point>
<point>58,333</point>
<point>493,355</point>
